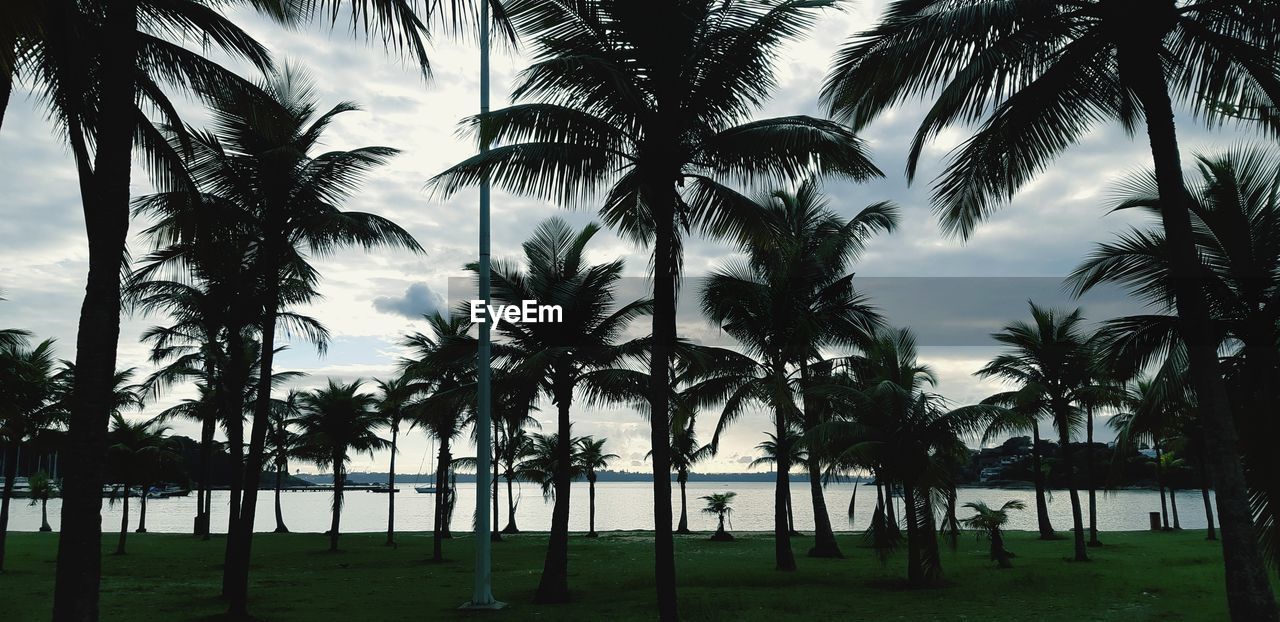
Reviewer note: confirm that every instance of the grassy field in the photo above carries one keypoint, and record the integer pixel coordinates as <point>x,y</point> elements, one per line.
<point>1136,576</point>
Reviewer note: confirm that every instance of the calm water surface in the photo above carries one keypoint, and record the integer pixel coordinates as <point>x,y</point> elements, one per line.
<point>619,505</point>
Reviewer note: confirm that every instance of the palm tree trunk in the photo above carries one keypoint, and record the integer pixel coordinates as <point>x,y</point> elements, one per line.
<point>208,510</point>
<point>142,511</point>
<point>242,541</point>
<point>998,552</point>
<point>1077,516</point>
<point>784,558</point>
<point>791,512</point>
<point>280,527</point>
<point>915,571</point>
<point>824,536</point>
<point>124,521</point>
<point>339,482</point>
<point>683,525</point>
<point>1088,473</point>
<point>391,487</point>
<point>1042,506</point>
<point>591,506</point>
<point>511,507</point>
<point>665,272</point>
<point>439,527</point>
<point>953,522</point>
<point>105,198</point>
<point>10,474</point>
<point>554,585</point>
<point>1204,493</point>
<point>1173,507</point>
<point>207,429</point>
<point>1164,504</point>
<point>1249,593</point>
<point>44,519</point>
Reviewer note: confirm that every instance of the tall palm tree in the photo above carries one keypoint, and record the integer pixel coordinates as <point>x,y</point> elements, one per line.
<point>792,297</point>
<point>591,457</point>
<point>27,391</point>
<point>559,356</point>
<point>1236,216</point>
<point>1049,358</point>
<point>686,452</point>
<point>1039,76</point>
<point>653,115</point>
<point>442,365</point>
<point>42,487</point>
<point>790,449</point>
<point>393,401</point>
<point>335,422</point>
<point>137,450</point>
<point>542,464</point>
<point>283,443</point>
<point>513,447</point>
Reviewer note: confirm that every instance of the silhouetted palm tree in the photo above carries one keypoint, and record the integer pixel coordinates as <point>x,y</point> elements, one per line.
<point>1049,359</point>
<point>686,452</point>
<point>393,400</point>
<point>560,355</point>
<point>653,115</point>
<point>27,392</point>
<point>136,451</point>
<point>283,443</point>
<point>1039,76</point>
<point>335,422</point>
<point>719,504</point>
<point>796,454</point>
<point>1020,412</point>
<point>513,448</point>
<point>992,522</point>
<point>42,487</point>
<point>1236,218</point>
<point>591,457</point>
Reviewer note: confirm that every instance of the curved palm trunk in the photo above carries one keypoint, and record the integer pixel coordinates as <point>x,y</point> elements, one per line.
<point>1249,593</point>
<point>104,194</point>
<point>1173,507</point>
<point>554,585</point>
<point>953,522</point>
<point>391,488</point>
<point>440,525</point>
<point>682,478</point>
<point>784,559</point>
<point>1042,506</point>
<point>10,473</point>
<point>124,521</point>
<point>511,506</point>
<point>339,483</point>
<point>890,512</point>
<point>44,519</point>
<point>824,536</point>
<point>1088,473</point>
<point>660,193</point>
<point>280,526</point>
<point>1077,516</point>
<point>591,505</point>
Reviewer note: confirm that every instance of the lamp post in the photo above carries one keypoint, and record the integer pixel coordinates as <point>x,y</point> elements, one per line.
<point>482,594</point>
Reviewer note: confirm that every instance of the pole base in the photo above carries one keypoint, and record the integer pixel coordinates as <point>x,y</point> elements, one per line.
<point>493,606</point>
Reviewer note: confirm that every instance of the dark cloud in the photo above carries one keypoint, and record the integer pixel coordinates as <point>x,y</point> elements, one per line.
<point>418,300</point>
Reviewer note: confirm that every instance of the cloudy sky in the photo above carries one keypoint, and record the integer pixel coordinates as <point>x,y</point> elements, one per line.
<point>372,299</point>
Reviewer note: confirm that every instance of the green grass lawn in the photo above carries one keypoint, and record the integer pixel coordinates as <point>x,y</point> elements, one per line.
<point>1136,576</point>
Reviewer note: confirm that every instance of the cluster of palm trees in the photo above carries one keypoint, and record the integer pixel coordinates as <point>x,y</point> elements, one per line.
<point>645,110</point>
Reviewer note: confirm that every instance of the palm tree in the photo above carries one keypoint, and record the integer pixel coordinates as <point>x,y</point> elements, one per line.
<point>1237,219</point>
<point>137,450</point>
<point>283,443</point>
<point>542,464</point>
<point>1049,359</point>
<point>686,452</point>
<point>335,422</point>
<point>992,522</point>
<point>1020,412</point>
<point>559,356</point>
<point>652,115</point>
<point>591,457</point>
<point>514,446</point>
<point>790,450</point>
<point>1039,76</point>
<point>27,389</point>
<point>443,365</point>
<point>41,489</point>
<point>718,504</point>
<point>393,400</point>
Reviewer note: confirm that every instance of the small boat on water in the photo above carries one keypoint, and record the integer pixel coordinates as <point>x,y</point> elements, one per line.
<point>426,489</point>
